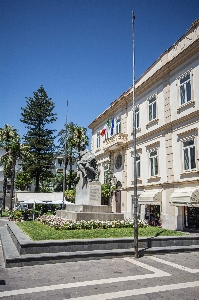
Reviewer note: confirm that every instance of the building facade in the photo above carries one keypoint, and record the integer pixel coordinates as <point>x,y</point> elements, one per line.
<point>167,125</point>
<point>57,168</point>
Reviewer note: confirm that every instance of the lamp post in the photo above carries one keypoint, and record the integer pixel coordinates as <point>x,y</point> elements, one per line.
<point>65,153</point>
<point>134,148</point>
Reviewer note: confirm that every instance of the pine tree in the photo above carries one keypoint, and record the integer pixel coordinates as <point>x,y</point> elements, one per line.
<point>37,115</point>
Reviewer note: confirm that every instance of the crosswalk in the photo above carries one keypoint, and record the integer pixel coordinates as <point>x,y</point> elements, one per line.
<point>150,272</point>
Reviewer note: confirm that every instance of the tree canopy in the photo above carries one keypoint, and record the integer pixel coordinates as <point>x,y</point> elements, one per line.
<point>38,115</point>
<point>69,140</point>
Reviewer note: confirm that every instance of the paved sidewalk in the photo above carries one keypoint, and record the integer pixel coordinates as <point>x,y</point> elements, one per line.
<point>170,276</point>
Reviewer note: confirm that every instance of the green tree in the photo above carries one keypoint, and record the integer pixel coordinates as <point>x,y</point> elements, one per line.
<point>10,142</point>
<point>38,115</point>
<point>22,181</point>
<point>58,182</point>
<point>69,140</point>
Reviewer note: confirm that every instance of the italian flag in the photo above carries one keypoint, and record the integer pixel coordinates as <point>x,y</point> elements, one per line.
<point>105,128</point>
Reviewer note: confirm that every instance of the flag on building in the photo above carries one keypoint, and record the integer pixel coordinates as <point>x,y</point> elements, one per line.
<point>108,123</point>
<point>102,133</point>
<point>105,128</point>
<point>112,126</point>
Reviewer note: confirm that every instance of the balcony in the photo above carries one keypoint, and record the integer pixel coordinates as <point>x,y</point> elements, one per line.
<point>116,141</point>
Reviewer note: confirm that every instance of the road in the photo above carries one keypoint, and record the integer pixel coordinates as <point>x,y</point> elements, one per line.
<point>170,276</point>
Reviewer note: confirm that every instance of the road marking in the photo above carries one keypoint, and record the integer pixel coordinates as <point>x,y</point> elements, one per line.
<point>142,265</point>
<point>157,273</point>
<point>142,291</point>
<point>174,265</point>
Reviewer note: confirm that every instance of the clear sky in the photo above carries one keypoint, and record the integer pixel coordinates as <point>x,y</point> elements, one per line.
<point>81,51</point>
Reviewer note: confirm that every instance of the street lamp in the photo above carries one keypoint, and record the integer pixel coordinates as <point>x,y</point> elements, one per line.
<point>135,201</point>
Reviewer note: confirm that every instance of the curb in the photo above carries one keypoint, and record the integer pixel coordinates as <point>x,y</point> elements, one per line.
<point>19,250</point>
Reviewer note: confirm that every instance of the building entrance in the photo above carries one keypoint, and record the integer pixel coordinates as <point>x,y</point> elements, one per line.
<point>152,215</point>
<point>191,217</point>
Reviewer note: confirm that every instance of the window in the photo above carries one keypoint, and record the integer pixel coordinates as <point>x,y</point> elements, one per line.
<point>98,139</point>
<point>60,161</point>
<point>152,108</point>
<point>189,155</point>
<point>185,88</point>
<point>154,163</point>
<point>118,126</point>
<point>138,166</point>
<point>118,163</point>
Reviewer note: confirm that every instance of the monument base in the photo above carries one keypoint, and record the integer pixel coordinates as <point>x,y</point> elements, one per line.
<point>87,193</point>
<point>88,204</point>
<point>76,212</point>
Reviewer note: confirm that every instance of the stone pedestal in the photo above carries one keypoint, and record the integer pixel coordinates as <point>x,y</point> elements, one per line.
<point>88,204</point>
<point>88,193</point>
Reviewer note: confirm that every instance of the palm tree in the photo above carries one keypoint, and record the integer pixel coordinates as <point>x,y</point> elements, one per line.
<point>69,140</point>
<point>10,142</point>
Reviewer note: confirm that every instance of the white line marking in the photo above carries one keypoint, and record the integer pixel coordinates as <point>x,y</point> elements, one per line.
<point>174,265</point>
<point>142,265</point>
<point>158,273</point>
<point>142,291</point>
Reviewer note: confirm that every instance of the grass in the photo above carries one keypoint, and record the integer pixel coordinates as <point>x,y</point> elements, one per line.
<point>37,231</point>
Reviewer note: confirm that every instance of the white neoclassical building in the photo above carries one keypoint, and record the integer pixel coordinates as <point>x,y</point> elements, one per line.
<point>167,124</point>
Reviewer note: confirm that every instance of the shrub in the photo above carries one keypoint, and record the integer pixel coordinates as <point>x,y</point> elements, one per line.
<point>61,224</point>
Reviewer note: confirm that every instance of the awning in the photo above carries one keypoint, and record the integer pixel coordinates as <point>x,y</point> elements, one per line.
<point>151,197</point>
<point>188,196</point>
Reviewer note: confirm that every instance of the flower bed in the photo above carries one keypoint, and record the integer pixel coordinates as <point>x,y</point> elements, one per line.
<point>61,224</point>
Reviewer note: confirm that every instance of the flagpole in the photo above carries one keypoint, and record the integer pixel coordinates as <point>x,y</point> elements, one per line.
<point>65,153</point>
<point>135,202</point>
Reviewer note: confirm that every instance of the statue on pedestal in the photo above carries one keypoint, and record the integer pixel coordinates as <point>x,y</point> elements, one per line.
<point>87,164</point>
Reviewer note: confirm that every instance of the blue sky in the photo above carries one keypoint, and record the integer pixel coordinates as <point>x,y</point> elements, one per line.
<point>81,51</point>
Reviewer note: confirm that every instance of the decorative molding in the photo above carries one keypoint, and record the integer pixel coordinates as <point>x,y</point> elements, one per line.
<point>154,145</point>
<point>186,105</point>
<point>193,130</point>
<point>152,122</point>
<point>139,181</point>
<point>154,178</point>
<point>168,126</point>
<point>166,68</point>
<point>188,173</point>
<point>139,150</point>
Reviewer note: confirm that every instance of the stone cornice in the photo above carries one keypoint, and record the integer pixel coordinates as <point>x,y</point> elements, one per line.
<point>193,130</point>
<point>168,127</point>
<point>156,133</point>
<point>166,68</point>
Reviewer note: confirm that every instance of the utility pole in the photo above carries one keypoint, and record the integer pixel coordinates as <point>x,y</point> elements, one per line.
<point>65,153</point>
<point>135,202</point>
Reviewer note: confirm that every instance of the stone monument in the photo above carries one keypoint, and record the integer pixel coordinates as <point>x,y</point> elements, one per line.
<point>88,189</point>
<point>88,193</point>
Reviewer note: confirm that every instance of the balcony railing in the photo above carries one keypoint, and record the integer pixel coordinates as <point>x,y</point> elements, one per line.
<point>116,141</point>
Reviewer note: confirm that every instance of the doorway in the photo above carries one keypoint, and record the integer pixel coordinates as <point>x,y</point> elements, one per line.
<point>191,217</point>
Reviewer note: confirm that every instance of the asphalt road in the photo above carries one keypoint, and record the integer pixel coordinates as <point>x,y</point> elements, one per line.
<point>170,276</point>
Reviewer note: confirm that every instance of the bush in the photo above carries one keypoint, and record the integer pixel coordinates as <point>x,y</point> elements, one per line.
<point>61,224</point>
<point>70,195</point>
